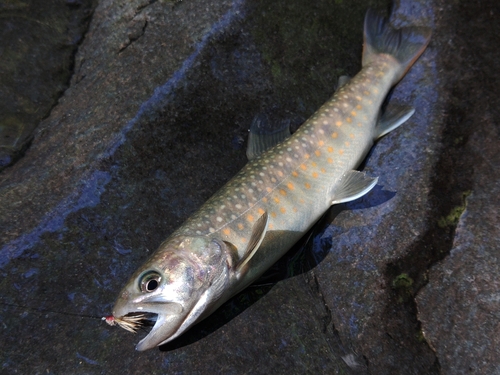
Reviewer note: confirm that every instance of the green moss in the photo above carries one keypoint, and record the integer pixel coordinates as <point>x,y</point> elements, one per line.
<point>402,281</point>
<point>420,336</point>
<point>455,213</point>
<point>403,284</point>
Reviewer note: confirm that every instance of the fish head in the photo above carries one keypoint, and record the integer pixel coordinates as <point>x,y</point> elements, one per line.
<point>181,281</point>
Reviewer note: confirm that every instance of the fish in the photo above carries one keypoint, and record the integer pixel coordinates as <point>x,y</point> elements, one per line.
<point>289,182</point>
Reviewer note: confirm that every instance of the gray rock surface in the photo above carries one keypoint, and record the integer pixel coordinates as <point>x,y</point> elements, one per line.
<point>38,43</point>
<point>154,120</point>
<point>460,306</point>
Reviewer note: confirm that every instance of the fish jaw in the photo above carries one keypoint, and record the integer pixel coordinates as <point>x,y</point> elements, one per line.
<point>183,279</point>
<point>169,317</point>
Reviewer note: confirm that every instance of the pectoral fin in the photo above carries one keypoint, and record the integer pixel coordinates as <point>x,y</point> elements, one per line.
<point>394,116</point>
<point>258,234</point>
<point>353,184</point>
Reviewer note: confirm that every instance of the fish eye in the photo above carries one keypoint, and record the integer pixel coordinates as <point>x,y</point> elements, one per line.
<point>150,281</point>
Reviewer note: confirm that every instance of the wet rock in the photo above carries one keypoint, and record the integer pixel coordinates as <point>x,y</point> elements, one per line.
<point>151,125</point>
<point>38,42</point>
<point>459,307</point>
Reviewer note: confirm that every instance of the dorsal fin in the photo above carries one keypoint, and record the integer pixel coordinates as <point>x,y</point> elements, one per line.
<point>260,140</point>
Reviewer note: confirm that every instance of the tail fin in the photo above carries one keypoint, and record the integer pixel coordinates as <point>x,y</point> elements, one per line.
<point>405,44</point>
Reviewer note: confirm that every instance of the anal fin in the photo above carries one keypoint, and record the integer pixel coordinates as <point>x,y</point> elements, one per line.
<point>394,116</point>
<point>353,184</point>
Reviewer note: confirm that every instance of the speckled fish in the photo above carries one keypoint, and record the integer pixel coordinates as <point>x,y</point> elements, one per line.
<point>258,215</point>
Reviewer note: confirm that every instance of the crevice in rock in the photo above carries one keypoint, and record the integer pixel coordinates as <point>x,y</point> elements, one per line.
<point>452,178</point>
<point>135,32</point>
<point>76,21</point>
<point>357,363</point>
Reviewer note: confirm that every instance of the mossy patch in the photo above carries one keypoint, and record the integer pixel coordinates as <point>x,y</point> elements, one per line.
<point>403,284</point>
<point>455,213</point>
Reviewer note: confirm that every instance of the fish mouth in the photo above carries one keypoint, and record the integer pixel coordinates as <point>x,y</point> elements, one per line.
<point>164,318</point>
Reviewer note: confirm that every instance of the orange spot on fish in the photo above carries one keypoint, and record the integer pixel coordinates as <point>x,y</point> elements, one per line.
<point>307,156</point>
<point>282,192</point>
<point>351,136</point>
<point>329,160</point>
<point>268,189</point>
<point>338,123</point>
<point>276,199</point>
<point>353,113</point>
<point>349,120</point>
<point>334,135</point>
<point>321,143</point>
<point>283,210</point>
<point>290,186</point>
<point>243,239</point>
<point>366,92</point>
<point>240,226</point>
<point>307,185</point>
<point>359,106</point>
<point>280,173</point>
<point>273,214</point>
<point>250,218</point>
<point>264,199</point>
<point>295,209</point>
<point>315,174</point>
<point>341,152</point>
<point>271,226</point>
<point>301,201</point>
<point>226,231</point>
<point>261,211</point>
<point>303,167</point>
<point>347,144</point>
<point>317,152</point>
<point>330,149</point>
<point>323,170</point>
<point>294,174</point>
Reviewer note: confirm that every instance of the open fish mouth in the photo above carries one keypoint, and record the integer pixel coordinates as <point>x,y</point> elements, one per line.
<point>162,320</point>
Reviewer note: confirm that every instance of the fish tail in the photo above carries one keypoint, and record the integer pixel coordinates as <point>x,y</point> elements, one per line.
<point>405,44</point>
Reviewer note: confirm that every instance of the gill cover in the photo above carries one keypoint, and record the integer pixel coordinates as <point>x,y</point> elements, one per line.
<point>178,283</point>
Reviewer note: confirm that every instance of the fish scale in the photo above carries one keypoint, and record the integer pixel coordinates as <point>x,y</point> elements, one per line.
<point>260,213</point>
